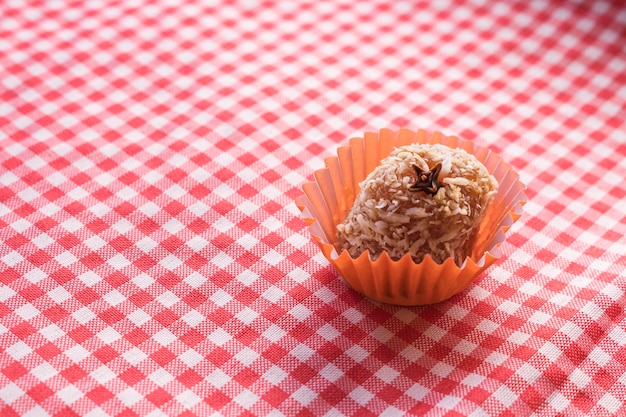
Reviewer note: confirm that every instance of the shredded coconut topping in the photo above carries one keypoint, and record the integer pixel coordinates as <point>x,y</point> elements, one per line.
<point>388,216</point>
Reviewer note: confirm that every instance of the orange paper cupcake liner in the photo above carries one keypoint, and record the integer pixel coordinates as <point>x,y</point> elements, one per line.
<point>327,200</point>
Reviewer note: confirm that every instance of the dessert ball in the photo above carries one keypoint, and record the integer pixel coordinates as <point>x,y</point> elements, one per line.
<point>422,200</point>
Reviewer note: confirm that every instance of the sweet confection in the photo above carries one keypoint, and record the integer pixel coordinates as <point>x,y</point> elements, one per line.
<point>423,199</point>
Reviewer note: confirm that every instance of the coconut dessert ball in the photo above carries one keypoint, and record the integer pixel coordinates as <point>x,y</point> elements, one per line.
<point>422,199</point>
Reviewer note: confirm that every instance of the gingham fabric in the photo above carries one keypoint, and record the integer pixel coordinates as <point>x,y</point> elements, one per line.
<point>152,259</point>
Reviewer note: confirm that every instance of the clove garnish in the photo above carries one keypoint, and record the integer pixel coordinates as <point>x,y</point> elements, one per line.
<point>427,181</point>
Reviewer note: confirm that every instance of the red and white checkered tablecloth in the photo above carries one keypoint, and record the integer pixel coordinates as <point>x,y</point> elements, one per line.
<point>152,259</point>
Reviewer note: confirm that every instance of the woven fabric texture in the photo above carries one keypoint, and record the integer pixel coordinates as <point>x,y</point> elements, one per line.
<point>153,261</point>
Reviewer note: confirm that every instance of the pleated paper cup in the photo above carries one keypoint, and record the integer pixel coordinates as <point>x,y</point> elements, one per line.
<point>327,200</point>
